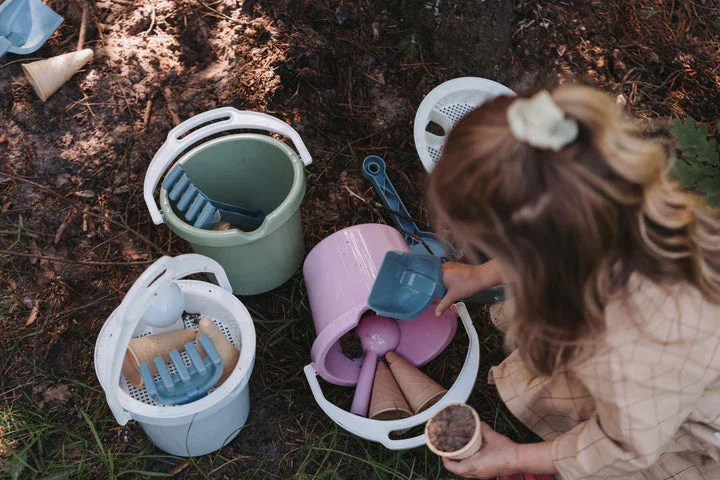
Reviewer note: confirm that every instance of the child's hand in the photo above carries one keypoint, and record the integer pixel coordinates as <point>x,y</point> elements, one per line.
<point>497,456</point>
<point>463,280</point>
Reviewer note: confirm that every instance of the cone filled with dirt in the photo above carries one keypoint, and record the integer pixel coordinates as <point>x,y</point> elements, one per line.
<point>228,352</point>
<point>454,431</point>
<point>46,76</point>
<point>387,401</point>
<point>421,391</point>
<point>146,349</point>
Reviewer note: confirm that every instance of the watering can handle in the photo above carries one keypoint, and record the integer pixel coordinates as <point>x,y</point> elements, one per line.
<point>201,126</point>
<point>127,316</point>
<point>374,169</point>
<point>379,430</point>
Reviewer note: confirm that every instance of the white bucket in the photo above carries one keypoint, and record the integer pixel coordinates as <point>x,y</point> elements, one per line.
<point>204,425</point>
<point>381,430</point>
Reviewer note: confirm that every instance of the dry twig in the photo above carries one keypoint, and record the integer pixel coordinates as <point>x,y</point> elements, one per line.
<point>83,27</point>
<point>172,106</point>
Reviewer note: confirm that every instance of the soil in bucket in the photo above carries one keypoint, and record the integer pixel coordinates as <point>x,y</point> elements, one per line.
<point>351,345</point>
<point>451,428</point>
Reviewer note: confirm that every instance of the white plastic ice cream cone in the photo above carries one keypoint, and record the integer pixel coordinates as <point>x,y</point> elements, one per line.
<point>46,76</point>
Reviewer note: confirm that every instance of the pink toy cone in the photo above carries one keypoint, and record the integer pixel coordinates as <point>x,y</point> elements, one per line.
<point>227,350</point>
<point>146,349</point>
<point>387,401</point>
<point>46,76</point>
<point>420,390</point>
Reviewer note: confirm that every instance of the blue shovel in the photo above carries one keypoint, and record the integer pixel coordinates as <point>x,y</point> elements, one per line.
<point>373,168</point>
<point>25,25</point>
<point>407,283</point>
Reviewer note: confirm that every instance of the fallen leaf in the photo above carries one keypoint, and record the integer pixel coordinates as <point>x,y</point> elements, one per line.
<point>55,395</point>
<point>2,138</point>
<point>85,193</point>
<point>33,314</point>
<point>6,445</point>
<point>179,468</point>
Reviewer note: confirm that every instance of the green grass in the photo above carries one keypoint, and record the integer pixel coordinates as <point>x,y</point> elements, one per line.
<point>41,445</point>
<point>84,441</point>
<point>336,455</point>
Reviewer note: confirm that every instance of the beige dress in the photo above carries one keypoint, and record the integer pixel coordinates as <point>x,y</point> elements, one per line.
<point>646,405</point>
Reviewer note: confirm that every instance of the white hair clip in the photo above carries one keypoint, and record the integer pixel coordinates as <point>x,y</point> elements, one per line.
<point>539,122</point>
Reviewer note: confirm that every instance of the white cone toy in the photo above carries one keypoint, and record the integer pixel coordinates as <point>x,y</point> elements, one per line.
<point>46,76</point>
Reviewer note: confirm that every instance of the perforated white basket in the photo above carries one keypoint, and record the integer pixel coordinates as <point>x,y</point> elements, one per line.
<point>445,105</point>
<point>206,424</point>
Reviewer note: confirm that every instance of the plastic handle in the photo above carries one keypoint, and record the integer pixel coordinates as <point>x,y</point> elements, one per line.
<point>489,296</point>
<point>374,169</point>
<point>128,315</point>
<point>201,126</point>
<point>361,400</point>
<point>379,430</point>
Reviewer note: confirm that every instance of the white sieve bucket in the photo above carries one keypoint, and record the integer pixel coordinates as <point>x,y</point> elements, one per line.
<point>444,106</point>
<point>204,425</point>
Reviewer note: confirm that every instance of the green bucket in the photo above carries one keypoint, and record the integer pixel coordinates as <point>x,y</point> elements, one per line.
<point>251,170</point>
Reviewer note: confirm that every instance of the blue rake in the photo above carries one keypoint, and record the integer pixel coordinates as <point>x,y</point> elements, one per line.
<point>188,383</point>
<point>201,210</point>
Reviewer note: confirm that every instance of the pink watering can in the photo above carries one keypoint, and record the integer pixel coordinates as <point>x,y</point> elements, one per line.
<point>339,274</point>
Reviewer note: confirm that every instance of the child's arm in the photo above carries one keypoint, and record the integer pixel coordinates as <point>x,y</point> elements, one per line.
<point>501,456</point>
<point>463,280</point>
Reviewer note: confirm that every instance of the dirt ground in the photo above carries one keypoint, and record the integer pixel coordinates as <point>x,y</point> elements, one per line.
<point>348,76</point>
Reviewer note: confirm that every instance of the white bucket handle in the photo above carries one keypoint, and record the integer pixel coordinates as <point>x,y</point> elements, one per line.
<point>198,127</point>
<point>128,314</point>
<point>379,430</point>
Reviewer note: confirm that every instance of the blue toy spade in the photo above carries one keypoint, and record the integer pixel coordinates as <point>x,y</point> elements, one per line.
<point>25,25</point>
<point>203,211</point>
<point>407,283</point>
<point>373,168</point>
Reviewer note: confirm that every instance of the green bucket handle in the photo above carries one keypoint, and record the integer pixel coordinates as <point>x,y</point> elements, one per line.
<point>202,126</point>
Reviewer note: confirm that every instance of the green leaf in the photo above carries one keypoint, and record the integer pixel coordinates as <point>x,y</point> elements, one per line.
<point>692,139</point>
<point>714,200</point>
<point>710,170</point>
<point>710,186</point>
<point>684,174</point>
<point>699,166</point>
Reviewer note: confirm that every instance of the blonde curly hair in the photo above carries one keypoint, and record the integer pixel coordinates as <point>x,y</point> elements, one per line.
<point>570,227</point>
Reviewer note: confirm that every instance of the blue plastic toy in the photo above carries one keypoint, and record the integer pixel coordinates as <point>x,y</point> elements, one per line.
<point>407,283</point>
<point>204,212</point>
<point>189,382</point>
<point>373,169</point>
<point>25,25</point>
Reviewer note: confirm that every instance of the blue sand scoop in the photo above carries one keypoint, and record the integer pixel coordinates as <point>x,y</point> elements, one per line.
<point>373,169</point>
<point>204,212</point>
<point>407,283</point>
<point>189,382</point>
<point>25,25</point>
